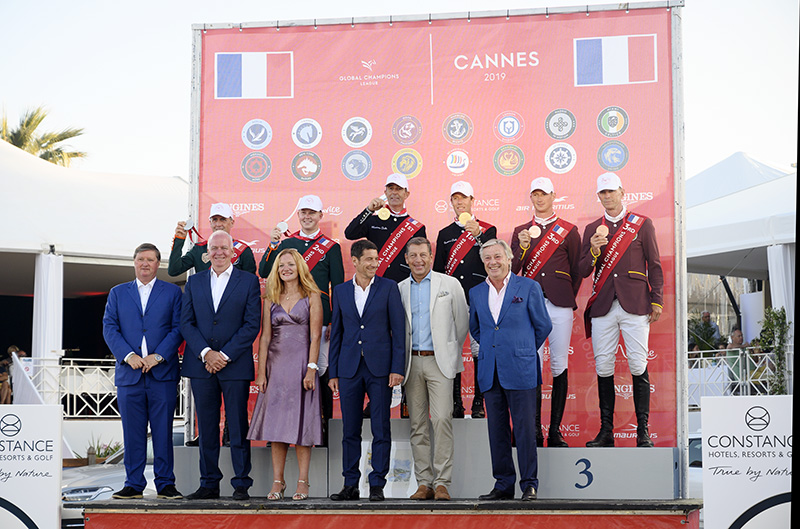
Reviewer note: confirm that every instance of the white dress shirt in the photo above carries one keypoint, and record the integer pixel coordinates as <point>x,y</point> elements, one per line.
<point>361,295</point>
<point>218,284</point>
<point>144,295</point>
<point>496,298</point>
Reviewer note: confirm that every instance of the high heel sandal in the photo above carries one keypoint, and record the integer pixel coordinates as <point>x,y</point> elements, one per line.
<point>299,495</point>
<point>272,496</point>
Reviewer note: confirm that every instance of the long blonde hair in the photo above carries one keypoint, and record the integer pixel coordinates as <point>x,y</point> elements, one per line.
<point>275,285</point>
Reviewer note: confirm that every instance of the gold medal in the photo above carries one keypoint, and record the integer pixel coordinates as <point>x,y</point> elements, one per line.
<point>464,218</point>
<point>384,214</point>
<point>535,231</point>
<point>602,230</point>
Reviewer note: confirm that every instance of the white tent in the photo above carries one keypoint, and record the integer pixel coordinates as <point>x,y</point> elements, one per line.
<point>71,233</point>
<point>741,222</point>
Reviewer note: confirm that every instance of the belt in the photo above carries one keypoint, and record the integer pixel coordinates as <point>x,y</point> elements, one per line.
<point>422,353</point>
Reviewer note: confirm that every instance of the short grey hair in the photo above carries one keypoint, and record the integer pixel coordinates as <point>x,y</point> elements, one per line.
<point>222,233</point>
<point>494,242</point>
<point>420,241</point>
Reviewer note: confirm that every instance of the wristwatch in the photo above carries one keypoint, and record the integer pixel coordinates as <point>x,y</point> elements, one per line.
<point>313,366</point>
<point>159,358</point>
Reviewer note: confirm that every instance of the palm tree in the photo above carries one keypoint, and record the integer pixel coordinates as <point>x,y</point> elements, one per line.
<point>43,144</point>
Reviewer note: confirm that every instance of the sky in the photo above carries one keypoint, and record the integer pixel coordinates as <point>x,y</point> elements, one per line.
<point>122,71</point>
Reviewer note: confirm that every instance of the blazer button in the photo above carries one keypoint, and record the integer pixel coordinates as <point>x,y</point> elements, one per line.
<point>461,277</point>
<point>215,322</point>
<point>359,342</point>
<point>615,275</point>
<point>362,326</point>
<point>542,274</point>
<point>497,328</point>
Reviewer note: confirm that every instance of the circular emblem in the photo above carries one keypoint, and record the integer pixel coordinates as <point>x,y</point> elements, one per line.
<point>441,206</point>
<point>757,418</point>
<point>384,214</point>
<point>407,162</point>
<point>306,166</point>
<point>205,258</point>
<point>407,130</point>
<point>508,126</point>
<point>256,166</point>
<point>10,425</point>
<point>306,133</point>
<point>508,160</point>
<point>356,132</point>
<point>457,128</point>
<point>356,165</point>
<point>560,124</point>
<point>560,158</point>
<point>612,122</point>
<point>256,134</point>
<point>612,155</point>
<point>457,161</point>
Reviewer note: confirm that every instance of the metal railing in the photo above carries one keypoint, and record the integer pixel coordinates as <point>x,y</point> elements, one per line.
<point>85,388</point>
<point>745,371</point>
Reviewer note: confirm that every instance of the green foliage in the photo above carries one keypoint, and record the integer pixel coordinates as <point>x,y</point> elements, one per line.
<point>701,334</point>
<point>103,449</point>
<point>774,329</point>
<point>45,145</point>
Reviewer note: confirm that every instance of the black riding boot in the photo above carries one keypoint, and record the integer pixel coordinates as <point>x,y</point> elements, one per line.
<point>458,405</point>
<point>557,403</point>
<point>477,401</point>
<point>641,404</point>
<point>605,391</point>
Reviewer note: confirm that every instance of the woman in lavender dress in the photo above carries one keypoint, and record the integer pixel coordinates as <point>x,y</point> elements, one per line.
<point>287,410</point>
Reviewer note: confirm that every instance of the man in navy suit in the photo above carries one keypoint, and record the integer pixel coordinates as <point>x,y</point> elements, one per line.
<point>508,317</point>
<point>220,320</point>
<point>367,354</point>
<point>141,328</point>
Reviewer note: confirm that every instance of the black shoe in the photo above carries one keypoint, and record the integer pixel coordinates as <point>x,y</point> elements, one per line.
<point>365,413</point>
<point>376,494</point>
<point>203,494</point>
<point>477,409</point>
<point>458,411</point>
<point>127,493</point>
<point>193,442</point>
<point>240,494</point>
<point>169,492</point>
<point>348,493</point>
<point>497,494</point>
<point>605,438</point>
<point>556,440</point>
<point>529,494</point>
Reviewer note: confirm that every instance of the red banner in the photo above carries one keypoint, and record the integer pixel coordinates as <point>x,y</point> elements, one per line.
<point>332,110</point>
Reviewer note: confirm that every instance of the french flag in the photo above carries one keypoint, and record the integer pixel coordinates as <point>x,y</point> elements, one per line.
<point>634,219</point>
<point>558,230</point>
<point>625,59</point>
<point>254,75</point>
<point>325,242</point>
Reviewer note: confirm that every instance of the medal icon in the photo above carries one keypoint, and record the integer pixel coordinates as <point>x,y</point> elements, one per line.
<point>535,231</point>
<point>464,218</point>
<point>384,214</point>
<point>602,230</point>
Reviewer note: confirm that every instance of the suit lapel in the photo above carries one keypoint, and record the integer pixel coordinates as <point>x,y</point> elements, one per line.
<point>204,284</point>
<point>373,291</point>
<point>511,291</point>
<point>405,296</point>
<point>133,290</point>
<point>229,288</point>
<point>436,284</point>
<point>158,288</point>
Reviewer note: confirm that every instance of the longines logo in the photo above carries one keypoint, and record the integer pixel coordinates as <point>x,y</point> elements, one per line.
<point>372,78</point>
<point>640,196</point>
<point>497,61</point>
<point>242,208</point>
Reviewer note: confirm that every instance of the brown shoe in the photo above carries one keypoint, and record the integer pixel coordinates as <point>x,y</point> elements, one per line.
<point>424,492</point>
<point>441,493</point>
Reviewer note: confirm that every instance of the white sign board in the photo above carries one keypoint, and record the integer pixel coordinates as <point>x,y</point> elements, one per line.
<point>747,461</point>
<point>30,466</point>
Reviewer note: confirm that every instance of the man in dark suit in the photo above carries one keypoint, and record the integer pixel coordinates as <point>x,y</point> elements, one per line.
<point>220,319</point>
<point>367,354</point>
<point>141,326</point>
<point>627,296</point>
<point>507,316</point>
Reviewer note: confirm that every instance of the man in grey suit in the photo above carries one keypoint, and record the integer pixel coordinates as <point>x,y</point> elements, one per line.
<point>437,323</point>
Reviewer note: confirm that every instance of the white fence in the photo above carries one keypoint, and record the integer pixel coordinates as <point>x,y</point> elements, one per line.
<point>746,371</point>
<point>85,388</point>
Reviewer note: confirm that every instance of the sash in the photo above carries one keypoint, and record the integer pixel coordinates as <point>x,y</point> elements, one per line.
<point>465,242</point>
<point>317,251</point>
<point>611,254</point>
<point>547,246</point>
<point>396,242</point>
<point>238,249</point>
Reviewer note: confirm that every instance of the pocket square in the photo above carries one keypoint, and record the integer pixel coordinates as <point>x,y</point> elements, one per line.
<point>516,299</point>
<point>443,293</point>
